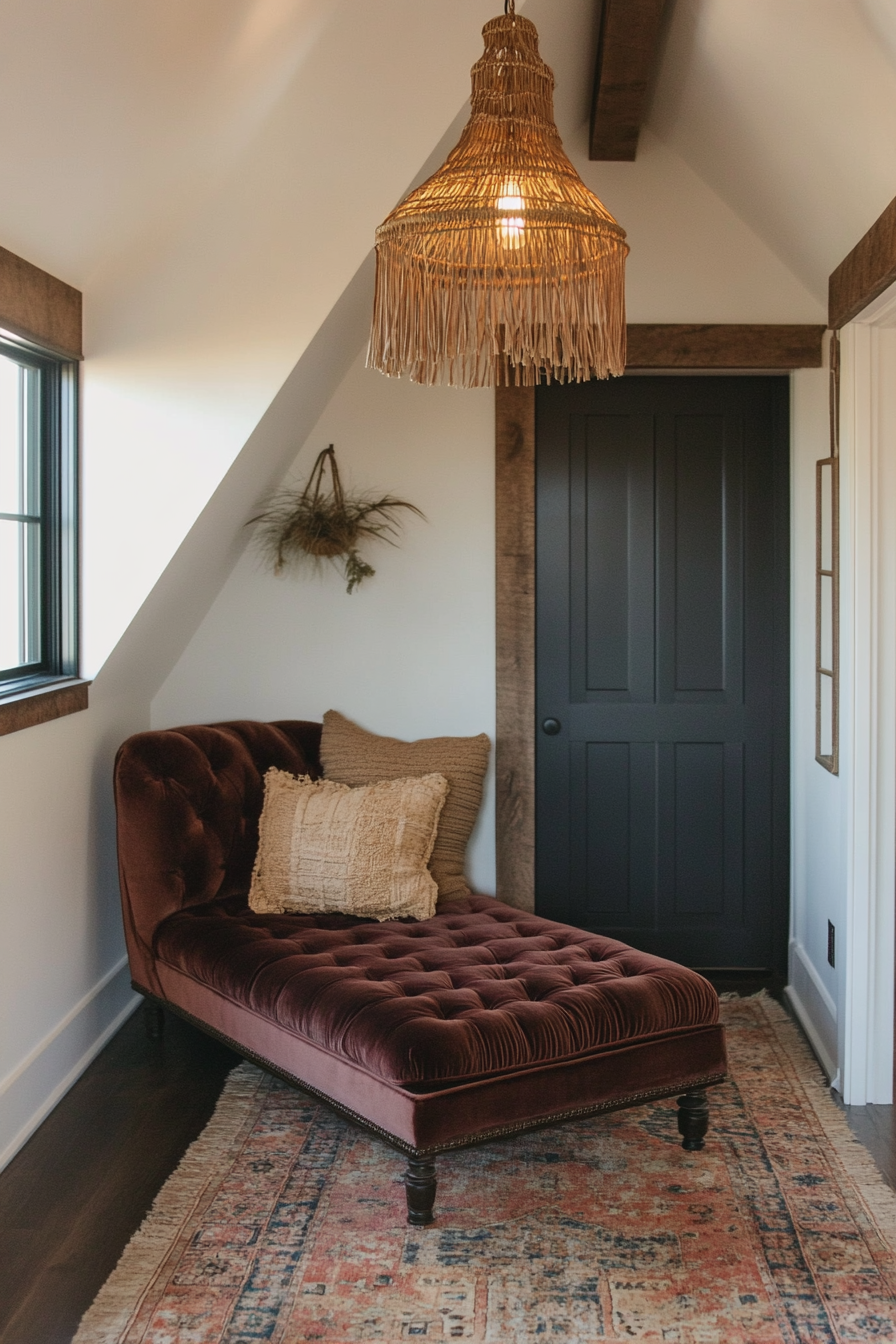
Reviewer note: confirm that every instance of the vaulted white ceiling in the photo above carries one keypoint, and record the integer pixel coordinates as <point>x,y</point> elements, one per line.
<point>787,109</point>
<point>210,173</point>
<point>123,120</point>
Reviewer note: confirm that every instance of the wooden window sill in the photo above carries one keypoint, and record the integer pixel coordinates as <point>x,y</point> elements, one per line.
<point>40,704</point>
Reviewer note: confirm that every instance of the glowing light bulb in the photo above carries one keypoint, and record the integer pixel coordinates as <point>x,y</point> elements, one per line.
<point>512,206</point>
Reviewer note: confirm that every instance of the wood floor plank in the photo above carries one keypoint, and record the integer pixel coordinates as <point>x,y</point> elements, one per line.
<point>875,1127</point>
<point>73,1197</point>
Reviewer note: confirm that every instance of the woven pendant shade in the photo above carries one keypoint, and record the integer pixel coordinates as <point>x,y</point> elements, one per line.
<point>503,267</point>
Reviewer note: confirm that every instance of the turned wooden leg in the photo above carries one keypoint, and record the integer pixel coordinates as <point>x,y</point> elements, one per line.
<point>420,1187</point>
<point>693,1120</point>
<point>153,1019</point>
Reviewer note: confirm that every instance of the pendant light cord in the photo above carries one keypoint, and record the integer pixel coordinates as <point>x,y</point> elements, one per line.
<point>510,7</point>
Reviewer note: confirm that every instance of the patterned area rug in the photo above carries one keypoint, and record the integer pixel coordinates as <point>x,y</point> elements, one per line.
<point>285,1223</point>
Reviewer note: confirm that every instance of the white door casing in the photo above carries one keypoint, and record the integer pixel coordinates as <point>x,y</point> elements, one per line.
<point>868,699</point>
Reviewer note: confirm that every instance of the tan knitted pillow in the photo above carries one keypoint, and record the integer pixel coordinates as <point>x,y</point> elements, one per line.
<point>350,755</point>
<point>326,847</point>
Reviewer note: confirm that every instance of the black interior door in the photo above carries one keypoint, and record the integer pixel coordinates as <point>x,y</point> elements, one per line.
<point>662,665</point>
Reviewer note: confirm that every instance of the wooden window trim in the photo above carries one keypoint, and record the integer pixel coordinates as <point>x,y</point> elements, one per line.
<point>36,307</point>
<point>41,705</point>
<point>657,347</point>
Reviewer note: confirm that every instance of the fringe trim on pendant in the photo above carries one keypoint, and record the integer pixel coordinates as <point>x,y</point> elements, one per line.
<point>503,267</point>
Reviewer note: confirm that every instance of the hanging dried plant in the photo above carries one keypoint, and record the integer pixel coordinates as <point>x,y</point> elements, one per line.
<point>319,522</point>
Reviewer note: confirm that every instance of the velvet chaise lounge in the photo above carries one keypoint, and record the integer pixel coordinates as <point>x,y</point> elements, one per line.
<point>481,1022</point>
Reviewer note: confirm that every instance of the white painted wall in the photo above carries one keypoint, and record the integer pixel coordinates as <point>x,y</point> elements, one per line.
<point>64,985</point>
<point>818,798</point>
<point>411,652</point>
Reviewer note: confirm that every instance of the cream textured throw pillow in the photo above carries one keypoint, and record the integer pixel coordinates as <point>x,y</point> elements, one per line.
<point>350,755</point>
<point>327,847</point>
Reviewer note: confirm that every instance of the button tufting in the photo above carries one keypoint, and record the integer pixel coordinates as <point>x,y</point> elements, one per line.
<point>465,994</point>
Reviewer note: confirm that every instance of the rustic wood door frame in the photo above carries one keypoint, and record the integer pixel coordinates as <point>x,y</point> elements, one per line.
<point>515,631</point>
<point>667,348</point>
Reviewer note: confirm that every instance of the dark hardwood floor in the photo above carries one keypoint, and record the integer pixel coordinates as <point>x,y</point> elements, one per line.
<point>78,1190</point>
<point>875,1126</point>
<point>75,1194</point>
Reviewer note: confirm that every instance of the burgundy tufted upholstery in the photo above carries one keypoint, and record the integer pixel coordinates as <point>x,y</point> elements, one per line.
<point>188,803</point>
<point>478,1021</point>
<point>478,990</point>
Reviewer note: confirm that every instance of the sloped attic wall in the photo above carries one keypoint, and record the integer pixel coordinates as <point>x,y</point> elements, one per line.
<point>209,175</point>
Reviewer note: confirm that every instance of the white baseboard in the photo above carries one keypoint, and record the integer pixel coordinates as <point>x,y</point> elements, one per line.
<point>814,1009</point>
<point>42,1078</point>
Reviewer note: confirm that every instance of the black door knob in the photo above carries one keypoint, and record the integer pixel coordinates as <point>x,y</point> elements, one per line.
<point>551,727</point>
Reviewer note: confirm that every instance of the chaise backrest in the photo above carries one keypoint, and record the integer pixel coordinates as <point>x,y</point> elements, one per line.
<point>188,802</point>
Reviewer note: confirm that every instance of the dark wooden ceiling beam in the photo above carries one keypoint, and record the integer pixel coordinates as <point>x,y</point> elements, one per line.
<point>866,272</point>
<point>669,345</point>
<point>627,53</point>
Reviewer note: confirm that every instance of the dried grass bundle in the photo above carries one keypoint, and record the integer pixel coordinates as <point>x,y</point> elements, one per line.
<point>319,522</point>
<point>502,267</point>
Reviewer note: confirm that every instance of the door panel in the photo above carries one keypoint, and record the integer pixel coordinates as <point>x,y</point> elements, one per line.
<point>699,565</point>
<point>662,641</point>
<point>618,783</point>
<point>612,571</point>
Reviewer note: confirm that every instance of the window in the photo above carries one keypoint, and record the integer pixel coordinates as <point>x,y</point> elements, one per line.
<point>38,517</point>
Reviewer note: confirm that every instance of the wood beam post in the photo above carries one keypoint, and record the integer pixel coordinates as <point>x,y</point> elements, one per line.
<point>515,599</point>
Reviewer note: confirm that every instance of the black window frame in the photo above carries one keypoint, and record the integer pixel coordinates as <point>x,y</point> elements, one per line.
<point>58,598</point>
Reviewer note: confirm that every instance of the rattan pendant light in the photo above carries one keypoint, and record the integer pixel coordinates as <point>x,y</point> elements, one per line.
<point>503,267</point>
